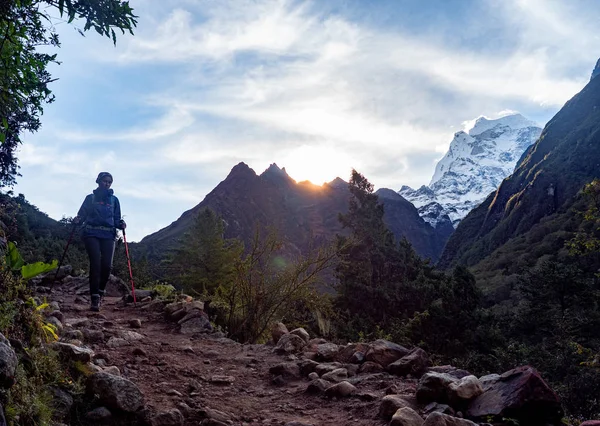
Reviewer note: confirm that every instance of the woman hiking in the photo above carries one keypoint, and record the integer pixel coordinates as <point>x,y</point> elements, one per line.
<point>101,215</point>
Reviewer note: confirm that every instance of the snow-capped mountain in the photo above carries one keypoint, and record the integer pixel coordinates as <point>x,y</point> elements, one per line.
<point>474,166</point>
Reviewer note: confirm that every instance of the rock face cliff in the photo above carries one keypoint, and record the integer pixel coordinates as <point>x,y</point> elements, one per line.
<point>474,166</point>
<point>302,212</point>
<point>544,183</point>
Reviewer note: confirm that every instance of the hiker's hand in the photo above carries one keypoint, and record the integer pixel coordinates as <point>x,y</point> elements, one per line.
<point>122,224</point>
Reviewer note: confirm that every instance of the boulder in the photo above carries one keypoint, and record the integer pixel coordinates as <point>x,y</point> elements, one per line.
<point>286,370</point>
<point>450,370</point>
<point>307,366</point>
<point>384,352</point>
<point>370,367</point>
<point>289,344</point>
<point>116,392</point>
<point>336,376</point>
<point>317,386</point>
<point>439,419</point>
<point>465,390</point>
<point>302,333</point>
<point>172,417</point>
<point>341,389</point>
<point>99,414</point>
<point>8,363</point>
<point>390,404</point>
<point>277,331</point>
<point>327,351</point>
<point>353,353</point>
<point>61,403</point>
<point>406,417</point>
<point>435,387</point>
<point>415,364</point>
<point>72,352</point>
<point>521,394</point>
<point>327,367</point>
<point>196,325</point>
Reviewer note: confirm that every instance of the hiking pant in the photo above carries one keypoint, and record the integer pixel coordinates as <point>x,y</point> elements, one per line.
<point>100,252</point>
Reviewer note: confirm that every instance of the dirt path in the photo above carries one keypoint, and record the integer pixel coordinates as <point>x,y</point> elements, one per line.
<point>171,369</point>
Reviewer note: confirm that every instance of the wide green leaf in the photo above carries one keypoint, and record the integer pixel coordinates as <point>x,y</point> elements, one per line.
<point>34,269</point>
<point>13,257</point>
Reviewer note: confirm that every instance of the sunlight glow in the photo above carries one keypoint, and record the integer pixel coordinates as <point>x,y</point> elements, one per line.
<point>317,164</point>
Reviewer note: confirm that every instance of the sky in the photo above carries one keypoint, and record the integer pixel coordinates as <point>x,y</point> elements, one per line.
<point>318,87</point>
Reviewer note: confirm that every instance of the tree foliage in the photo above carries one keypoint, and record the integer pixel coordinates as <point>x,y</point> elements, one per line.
<point>205,260</point>
<point>268,285</point>
<point>25,27</point>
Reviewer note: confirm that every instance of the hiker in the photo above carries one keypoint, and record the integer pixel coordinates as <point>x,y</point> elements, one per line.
<point>101,215</point>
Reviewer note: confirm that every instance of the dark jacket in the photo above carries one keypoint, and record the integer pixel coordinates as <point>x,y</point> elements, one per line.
<point>101,214</point>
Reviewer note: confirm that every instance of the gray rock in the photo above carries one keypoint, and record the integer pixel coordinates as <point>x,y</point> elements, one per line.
<point>196,325</point>
<point>465,389</point>
<point>341,389</point>
<point>287,370</point>
<point>168,418</point>
<point>327,367</point>
<point>73,352</point>
<point>278,330</point>
<point>435,387</point>
<point>98,414</point>
<point>93,336</point>
<point>390,404</point>
<point>415,364</point>
<point>289,343</point>
<point>317,386</point>
<point>116,392</point>
<point>313,376</point>
<point>307,366</point>
<point>117,342</point>
<point>406,417</point>
<point>135,323</point>
<point>336,376</point>
<point>439,419</point>
<point>370,367</point>
<point>327,351</point>
<point>302,333</point>
<point>384,352</point>
<point>61,403</point>
<point>8,363</point>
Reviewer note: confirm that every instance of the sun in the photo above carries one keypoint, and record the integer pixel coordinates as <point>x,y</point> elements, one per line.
<point>317,164</point>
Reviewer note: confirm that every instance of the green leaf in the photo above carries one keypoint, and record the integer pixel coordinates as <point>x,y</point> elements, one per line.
<point>61,6</point>
<point>13,257</point>
<point>34,269</point>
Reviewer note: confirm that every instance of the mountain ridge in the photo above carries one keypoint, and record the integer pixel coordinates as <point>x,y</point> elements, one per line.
<point>300,211</point>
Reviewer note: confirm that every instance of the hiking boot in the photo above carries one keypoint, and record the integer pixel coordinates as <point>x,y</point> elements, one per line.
<point>95,306</point>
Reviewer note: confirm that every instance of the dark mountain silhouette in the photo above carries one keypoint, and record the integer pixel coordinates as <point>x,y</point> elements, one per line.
<point>543,186</point>
<point>303,213</point>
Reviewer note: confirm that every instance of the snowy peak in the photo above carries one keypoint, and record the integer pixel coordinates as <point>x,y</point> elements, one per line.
<point>477,161</point>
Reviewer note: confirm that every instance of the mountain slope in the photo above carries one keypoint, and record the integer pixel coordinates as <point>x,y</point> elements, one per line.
<point>300,211</point>
<point>474,166</point>
<point>546,180</point>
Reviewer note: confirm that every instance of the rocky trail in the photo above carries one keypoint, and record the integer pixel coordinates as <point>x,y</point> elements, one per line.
<point>155,363</point>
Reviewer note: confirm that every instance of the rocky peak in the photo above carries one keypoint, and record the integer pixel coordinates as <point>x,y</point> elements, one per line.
<point>241,170</point>
<point>338,183</point>
<point>596,70</point>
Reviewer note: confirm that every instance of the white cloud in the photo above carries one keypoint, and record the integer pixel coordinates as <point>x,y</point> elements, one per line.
<point>266,81</point>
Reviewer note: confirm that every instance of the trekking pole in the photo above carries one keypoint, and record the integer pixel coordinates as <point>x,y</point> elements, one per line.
<point>64,254</point>
<point>129,265</point>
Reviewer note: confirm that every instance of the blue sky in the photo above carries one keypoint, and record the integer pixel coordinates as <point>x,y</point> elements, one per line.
<point>318,87</point>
